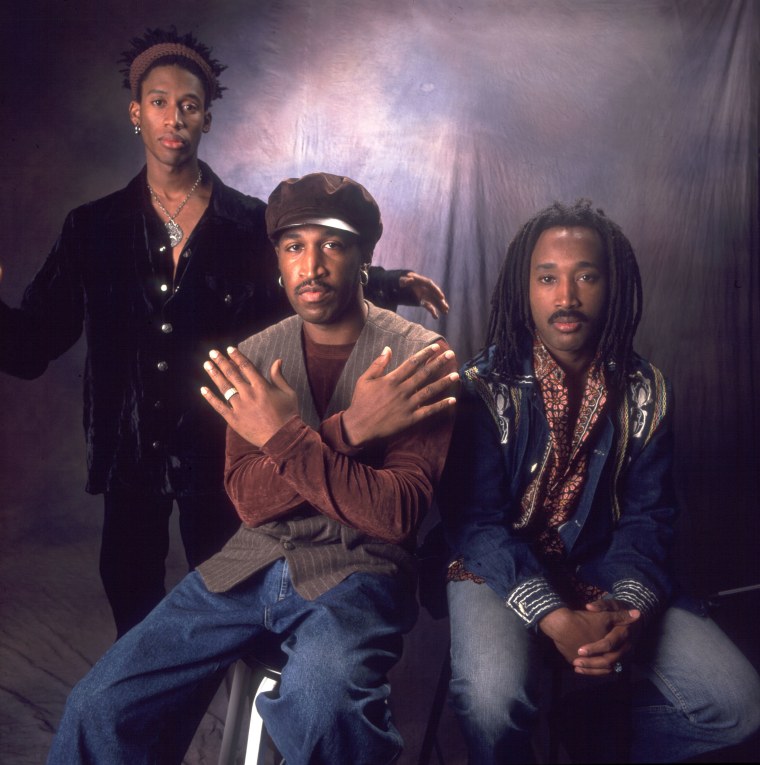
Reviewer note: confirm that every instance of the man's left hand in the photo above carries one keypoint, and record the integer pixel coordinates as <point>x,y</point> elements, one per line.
<point>426,292</point>
<point>386,404</point>
<point>255,408</point>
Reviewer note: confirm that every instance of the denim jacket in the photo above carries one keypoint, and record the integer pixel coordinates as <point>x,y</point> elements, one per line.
<point>620,534</point>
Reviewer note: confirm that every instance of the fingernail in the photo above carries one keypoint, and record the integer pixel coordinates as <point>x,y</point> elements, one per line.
<point>208,366</point>
<point>204,390</point>
<point>448,355</point>
<point>214,354</point>
<point>454,376</point>
<point>231,348</point>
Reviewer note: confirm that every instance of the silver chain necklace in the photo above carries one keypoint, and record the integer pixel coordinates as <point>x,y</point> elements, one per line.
<point>173,229</point>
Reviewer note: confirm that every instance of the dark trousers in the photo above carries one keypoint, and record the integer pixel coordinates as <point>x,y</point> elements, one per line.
<point>135,544</point>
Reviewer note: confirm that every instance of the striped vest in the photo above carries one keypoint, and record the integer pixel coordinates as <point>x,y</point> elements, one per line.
<point>320,552</point>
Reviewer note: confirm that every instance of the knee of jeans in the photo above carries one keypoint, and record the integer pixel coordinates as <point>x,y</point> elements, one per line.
<point>346,672</point>
<point>730,711</point>
<point>741,714</point>
<point>333,688</point>
<point>332,714</point>
<point>492,700</point>
<point>749,723</point>
<point>85,702</point>
<point>333,726</point>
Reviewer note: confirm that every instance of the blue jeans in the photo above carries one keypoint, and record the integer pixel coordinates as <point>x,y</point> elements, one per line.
<point>143,700</point>
<point>702,693</point>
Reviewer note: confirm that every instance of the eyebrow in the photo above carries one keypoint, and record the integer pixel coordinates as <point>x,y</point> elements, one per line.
<point>161,92</point>
<point>290,235</point>
<point>330,233</point>
<point>582,264</point>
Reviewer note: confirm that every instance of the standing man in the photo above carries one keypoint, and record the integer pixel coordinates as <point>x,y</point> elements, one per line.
<point>331,469</point>
<point>559,510</point>
<point>157,273</point>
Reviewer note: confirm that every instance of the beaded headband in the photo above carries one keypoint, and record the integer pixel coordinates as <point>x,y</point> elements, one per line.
<point>143,62</point>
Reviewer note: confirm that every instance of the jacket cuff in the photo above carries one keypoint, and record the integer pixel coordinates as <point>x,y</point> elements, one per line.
<point>384,290</point>
<point>533,599</point>
<point>284,438</point>
<point>636,595</point>
<point>333,435</point>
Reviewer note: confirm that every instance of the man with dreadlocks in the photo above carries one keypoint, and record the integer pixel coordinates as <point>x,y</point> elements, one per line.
<point>158,273</point>
<point>558,508</point>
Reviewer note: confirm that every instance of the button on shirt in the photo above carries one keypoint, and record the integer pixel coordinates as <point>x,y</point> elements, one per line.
<point>175,340</point>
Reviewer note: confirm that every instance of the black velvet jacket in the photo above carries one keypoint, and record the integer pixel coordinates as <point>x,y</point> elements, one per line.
<point>147,426</point>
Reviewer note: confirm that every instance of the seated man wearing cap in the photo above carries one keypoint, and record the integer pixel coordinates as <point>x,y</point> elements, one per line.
<point>331,464</point>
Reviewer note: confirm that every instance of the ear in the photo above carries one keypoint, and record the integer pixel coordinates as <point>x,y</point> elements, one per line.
<point>366,253</point>
<point>206,122</point>
<point>134,112</point>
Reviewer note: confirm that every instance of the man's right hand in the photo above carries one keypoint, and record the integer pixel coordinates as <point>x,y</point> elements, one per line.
<point>386,404</point>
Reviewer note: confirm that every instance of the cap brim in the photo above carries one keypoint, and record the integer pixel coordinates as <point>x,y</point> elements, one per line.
<point>336,223</point>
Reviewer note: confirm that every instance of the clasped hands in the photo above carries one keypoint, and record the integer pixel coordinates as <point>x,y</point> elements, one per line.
<point>382,404</point>
<point>594,640</point>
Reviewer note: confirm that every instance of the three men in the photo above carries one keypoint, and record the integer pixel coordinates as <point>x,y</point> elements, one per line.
<point>332,469</point>
<point>559,511</point>
<point>156,274</point>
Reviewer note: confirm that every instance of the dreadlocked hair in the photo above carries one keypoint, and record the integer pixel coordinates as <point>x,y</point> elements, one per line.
<point>510,324</point>
<point>207,71</point>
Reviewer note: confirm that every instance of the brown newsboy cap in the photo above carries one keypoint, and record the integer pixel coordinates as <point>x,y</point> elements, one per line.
<point>326,200</point>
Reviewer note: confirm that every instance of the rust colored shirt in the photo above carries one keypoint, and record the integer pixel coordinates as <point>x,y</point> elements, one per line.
<point>383,492</point>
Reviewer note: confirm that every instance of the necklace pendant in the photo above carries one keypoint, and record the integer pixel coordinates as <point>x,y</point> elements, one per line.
<point>175,232</point>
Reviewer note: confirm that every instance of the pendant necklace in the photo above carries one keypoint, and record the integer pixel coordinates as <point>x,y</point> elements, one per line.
<point>172,228</point>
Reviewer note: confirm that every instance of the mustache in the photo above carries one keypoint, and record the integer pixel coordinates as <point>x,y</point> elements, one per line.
<point>308,283</point>
<point>567,315</point>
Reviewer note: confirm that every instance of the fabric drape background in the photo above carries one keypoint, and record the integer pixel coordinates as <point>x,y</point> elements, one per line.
<point>462,119</point>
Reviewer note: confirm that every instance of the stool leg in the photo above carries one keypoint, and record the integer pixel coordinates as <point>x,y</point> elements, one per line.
<point>254,752</point>
<point>554,711</point>
<point>242,680</point>
<point>436,709</point>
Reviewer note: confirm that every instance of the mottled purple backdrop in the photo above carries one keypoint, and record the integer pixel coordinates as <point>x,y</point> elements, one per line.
<point>462,118</point>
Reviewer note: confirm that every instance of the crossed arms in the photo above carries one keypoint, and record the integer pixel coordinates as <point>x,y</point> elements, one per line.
<point>276,463</point>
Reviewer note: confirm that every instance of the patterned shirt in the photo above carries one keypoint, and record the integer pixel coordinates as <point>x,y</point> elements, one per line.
<point>556,489</point>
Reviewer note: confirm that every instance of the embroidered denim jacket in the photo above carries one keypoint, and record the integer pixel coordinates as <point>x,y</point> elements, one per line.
<point>619,536</point>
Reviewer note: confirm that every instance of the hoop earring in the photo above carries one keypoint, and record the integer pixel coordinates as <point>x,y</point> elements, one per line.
<point>137,130</point>
<point>364,275</point>
<point>279,281</point>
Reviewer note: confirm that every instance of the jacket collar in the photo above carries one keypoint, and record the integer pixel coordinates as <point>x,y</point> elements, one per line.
<point>483,365</point>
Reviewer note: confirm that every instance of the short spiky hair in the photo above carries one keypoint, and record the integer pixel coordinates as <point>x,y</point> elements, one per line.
<point>510,325</point>
<point>206,68</point>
